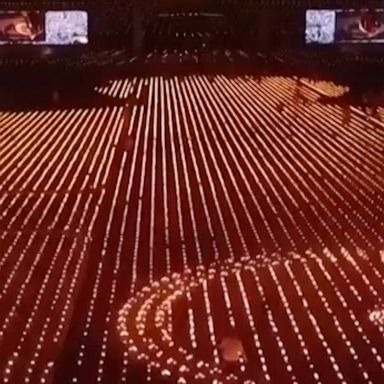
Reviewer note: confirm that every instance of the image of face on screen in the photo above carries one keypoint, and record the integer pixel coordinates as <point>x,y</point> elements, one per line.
<point>21,27</point>
<point>66,27</point>
<point>360,26</point>
<point>320,26</point>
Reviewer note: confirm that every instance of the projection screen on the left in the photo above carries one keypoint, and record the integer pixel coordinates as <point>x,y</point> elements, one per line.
<point>24,27</point>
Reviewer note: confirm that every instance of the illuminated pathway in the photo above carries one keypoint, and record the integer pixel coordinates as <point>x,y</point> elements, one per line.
<point>98,203</point>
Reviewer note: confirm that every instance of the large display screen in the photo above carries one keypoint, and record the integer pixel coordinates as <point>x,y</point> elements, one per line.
<point>23,27</point>
<point>344,26</point>
<point>50,28</point>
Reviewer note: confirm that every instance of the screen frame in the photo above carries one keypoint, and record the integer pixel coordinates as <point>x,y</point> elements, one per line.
<point>363,42</point>
<point>45,42</point>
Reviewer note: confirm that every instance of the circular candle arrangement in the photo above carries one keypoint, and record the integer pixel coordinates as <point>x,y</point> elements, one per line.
<point>376,316</point>
<point>152,331</point>
<point>144,325</point>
